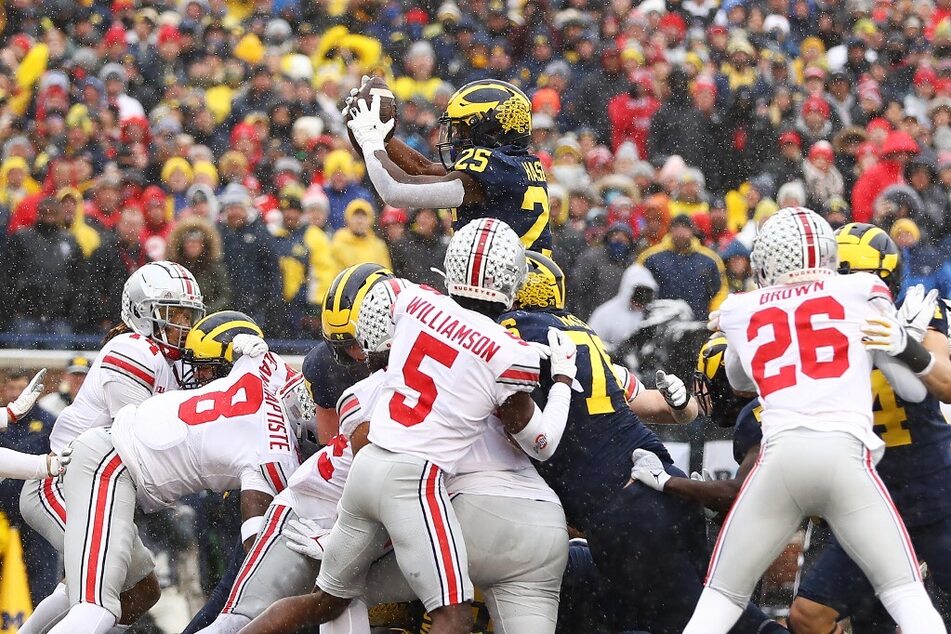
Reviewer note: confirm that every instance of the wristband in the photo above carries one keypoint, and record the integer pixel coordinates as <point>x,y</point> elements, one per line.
<point>916,357</point>
<point>251,527</point>
<point>11,417</point>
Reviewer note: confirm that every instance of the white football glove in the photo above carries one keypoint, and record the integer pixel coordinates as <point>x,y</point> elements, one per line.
<point>673,389</point>
<point>564,354</point>
<point>248,345</point>
<point>649,469</point>
<point>27,398</point>
<point>348,103</point>
<point>304,536</point>
<point>713,321</point>
<point>56,465</point>
<point>886,334</point>
<point>366,126</point>
<point>917,311</point>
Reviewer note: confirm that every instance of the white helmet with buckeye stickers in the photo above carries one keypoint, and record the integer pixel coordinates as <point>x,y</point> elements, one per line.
<point>374,328</point>
<point>162,301</point>
<point>486,261</point>
<point>795,245</point>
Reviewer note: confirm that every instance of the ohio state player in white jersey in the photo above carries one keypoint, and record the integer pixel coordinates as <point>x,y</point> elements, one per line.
<point>496,493</point>
<point>274,568</point>
<point>454,369</point>
<point>238,431</point>
<point>801,342</point>
<point>160,303</point>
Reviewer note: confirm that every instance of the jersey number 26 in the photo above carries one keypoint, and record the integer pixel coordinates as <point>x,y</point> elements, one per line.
<point>810,339</point>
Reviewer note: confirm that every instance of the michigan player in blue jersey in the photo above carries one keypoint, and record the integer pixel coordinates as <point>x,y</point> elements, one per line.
<point>650,549</point>
<point>485,168</point>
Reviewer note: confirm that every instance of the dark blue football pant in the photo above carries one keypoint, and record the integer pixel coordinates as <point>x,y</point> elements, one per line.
<point>651,552</point>
<point>836,581</point>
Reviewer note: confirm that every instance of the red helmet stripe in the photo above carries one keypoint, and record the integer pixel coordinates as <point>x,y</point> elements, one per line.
<point>811,243</point>
<point>478,254</point>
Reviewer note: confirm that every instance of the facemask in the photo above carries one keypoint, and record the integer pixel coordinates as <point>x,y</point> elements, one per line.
<point>618,251</point>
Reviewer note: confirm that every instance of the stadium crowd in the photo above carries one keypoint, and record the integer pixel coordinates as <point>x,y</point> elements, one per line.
<point>209,133</point>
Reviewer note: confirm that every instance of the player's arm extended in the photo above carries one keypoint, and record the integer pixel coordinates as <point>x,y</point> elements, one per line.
<point>393,184</point>
<point>411,161</point>
<point>399,189</point>
<point>24,466</point>
<point>651,407</point>
<point>716,495</point>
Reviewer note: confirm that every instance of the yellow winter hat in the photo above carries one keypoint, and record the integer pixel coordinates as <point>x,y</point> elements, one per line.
<point>174,164</point>
<point>206,168</point>
<point>358,204</point>
<point>249,49</point>
<point>339,161</point>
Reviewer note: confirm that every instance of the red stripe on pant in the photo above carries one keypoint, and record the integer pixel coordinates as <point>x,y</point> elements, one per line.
<point>48,493</point>
<point>102,493</point>
<point>916,571</point>
<point>714,557</point>
<point>442,536</point>
<point>269,534</point>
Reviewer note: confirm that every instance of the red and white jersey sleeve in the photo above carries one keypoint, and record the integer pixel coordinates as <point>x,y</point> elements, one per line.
<point>229,434</point>
<point>449,369</point>
<point>129,359</point>
<point>315,488</point>
<point>801,345</point>
<point>357,401</point>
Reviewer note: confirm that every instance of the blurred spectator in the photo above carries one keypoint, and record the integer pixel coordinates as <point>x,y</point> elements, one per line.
<point>684,269</point>
<point>341,185</point>
<point>736,261</point>
<point>74,219</point>
<point>677,127</point>
<point>249,256</point>
<point>895,153</point>
<point>595,276</point>
<point>292,246</point>
<point>393,223</point>
<point>196,244</point>
<point>69,384</point>
<point>934,218</point>
<point>821,178</point>
<point>121,254</point>
<point>630,114</point>
<point>322,269</point>
<point>42,275</point>
<point>356,242</point>
<point>618,318</point>
<point>920,261</point>
<point>421,249</point>
<point>788,165</point>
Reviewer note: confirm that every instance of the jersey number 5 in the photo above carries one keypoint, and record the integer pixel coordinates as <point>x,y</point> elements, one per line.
<point>811,340</point>
<point>415,379</point>
<point>244,397</point>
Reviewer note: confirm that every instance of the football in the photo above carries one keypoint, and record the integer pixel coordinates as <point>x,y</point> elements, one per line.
<point>376,86</point>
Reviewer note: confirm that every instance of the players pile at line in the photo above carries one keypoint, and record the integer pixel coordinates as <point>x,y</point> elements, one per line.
<point>441,482</point>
